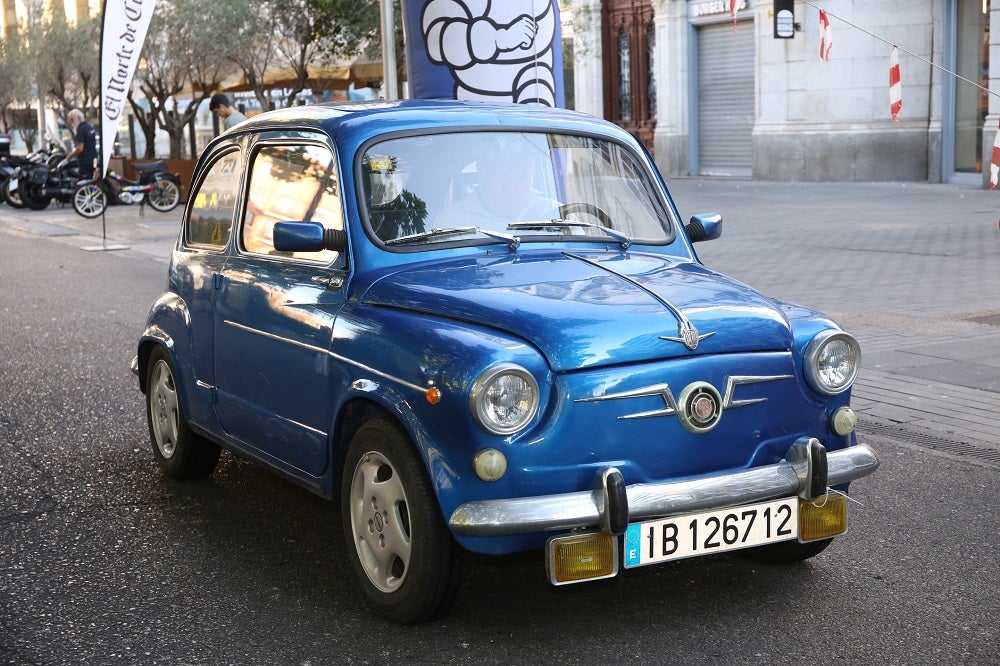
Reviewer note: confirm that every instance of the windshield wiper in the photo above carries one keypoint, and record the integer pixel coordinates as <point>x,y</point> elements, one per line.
<point>557,223</point>
<point>430,233</point>
<point>511,241</point>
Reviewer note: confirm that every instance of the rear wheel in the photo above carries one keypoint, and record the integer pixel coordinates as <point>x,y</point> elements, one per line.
<point>33,197</point>
<point>405,559</point>
<point>89,200</point>
<point>165,196</point>
<point>182,453</point>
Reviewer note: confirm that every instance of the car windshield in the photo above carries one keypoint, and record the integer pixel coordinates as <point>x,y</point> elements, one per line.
<point>487,187</point>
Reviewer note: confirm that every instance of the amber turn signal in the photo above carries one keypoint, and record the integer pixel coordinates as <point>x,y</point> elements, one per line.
<point>823,518</point>
<point>581,557</point>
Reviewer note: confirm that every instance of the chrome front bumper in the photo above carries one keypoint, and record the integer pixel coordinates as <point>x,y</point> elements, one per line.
<point>806,471</point>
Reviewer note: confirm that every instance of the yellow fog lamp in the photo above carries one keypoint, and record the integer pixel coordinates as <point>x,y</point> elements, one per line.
<point>581,557</point>
<point>823,518</point>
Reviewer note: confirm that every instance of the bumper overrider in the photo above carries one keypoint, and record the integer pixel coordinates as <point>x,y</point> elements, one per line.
<point>807,471</point>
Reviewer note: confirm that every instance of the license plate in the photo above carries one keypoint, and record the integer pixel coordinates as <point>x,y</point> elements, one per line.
<point>711,532</point>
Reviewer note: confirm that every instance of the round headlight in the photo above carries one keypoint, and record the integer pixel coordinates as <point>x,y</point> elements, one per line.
<point>832,361</point>
<point>504,398</point>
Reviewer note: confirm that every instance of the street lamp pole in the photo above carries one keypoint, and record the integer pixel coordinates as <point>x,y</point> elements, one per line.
<point>388,51</point>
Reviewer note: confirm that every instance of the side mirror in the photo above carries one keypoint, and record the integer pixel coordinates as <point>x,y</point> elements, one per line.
<point>307,237</point>
<point>705,226</point>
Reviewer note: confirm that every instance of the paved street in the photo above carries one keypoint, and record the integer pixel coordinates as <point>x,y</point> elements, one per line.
<point>105,561</point>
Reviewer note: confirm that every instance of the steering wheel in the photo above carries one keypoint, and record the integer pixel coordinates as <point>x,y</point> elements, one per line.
<point>588,208</point>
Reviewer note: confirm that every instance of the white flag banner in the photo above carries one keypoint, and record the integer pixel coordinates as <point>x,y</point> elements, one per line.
<point>123,32</point>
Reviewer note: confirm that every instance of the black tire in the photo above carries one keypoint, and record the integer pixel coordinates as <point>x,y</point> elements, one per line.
<point>89,200</point>
<point>32,197</point>
<point>181,453</point>
<point>568,209</point>
<point>407,562</point>
<point>13,198</point>
<point>165,196</point>
<point>785,552</point>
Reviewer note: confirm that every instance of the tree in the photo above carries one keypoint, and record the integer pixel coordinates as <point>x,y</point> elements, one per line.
<point>290,36</point>
<point>68,62</point>
<point>15,77</point>
<point>185,52</point>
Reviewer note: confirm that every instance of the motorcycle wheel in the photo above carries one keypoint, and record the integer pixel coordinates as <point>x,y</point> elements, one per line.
<point>12,197</point>
<point>89,200</point>
<point>165,196</point>
<point>33,198</point>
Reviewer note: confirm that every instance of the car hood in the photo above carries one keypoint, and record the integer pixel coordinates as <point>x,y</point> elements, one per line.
<point>585,309</point>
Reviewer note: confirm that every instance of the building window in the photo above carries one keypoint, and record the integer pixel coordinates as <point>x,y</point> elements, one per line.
<point>625,76</point>
<point>650,70</point>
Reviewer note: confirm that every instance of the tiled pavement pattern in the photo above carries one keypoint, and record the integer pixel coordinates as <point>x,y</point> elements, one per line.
<point>913,270</point>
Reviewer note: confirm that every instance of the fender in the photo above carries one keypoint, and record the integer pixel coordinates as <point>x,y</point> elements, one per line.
<point>169,325</point>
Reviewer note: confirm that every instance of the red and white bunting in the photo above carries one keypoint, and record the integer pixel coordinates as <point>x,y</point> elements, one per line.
<point>825,36</point>
<point>995,162</point>
<point>895,85</point>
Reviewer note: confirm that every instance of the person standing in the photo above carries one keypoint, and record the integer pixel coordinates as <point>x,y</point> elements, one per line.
<point>220,106</point>
<point>85,144</point>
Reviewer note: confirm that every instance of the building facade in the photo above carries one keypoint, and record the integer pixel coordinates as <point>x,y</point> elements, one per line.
<point>710,96</point>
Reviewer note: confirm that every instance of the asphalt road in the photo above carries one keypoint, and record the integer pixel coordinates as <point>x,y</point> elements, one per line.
<point>104,561</point>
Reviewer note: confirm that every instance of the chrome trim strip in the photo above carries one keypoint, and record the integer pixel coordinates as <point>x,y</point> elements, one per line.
<point>671,409</point>
<point>320,350</point>
<point>566,511</point>
<point>739,380</point>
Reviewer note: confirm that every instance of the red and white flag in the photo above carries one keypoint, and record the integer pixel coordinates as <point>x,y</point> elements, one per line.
<point>995,162</point>
<point>895,86</point>
<point>825,36</point>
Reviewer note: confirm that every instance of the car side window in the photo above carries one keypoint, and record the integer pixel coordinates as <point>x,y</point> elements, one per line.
<point>210,222</point>
<point>291,183</point>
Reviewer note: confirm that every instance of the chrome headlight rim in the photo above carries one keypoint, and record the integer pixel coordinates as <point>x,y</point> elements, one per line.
<point>813,357</point>
<point>479,390</point>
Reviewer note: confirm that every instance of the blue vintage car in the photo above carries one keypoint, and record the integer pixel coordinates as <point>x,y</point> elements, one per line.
<point>485,329</point>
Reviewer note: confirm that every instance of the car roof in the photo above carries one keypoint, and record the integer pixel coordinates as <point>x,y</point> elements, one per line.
<point>356,122</point>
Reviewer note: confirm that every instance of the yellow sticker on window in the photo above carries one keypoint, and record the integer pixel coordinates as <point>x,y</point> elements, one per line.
<point>380,163</point>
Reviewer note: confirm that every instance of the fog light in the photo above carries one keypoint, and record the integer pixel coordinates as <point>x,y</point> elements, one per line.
<point>823,518</point>
<point>844,420</point>
<point>490,464</point>
<point>581,557</point>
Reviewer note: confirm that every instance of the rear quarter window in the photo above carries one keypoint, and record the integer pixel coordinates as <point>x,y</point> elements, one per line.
<point>210,221</point>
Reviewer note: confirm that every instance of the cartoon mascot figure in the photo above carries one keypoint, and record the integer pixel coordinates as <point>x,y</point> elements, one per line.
<point>497,50</point>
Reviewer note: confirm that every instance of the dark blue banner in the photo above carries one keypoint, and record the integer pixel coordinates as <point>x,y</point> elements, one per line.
<point>500,50</point>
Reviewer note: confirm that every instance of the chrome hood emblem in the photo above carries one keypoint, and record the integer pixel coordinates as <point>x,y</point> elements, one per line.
<point>687,332</point>
<point>685,329</point>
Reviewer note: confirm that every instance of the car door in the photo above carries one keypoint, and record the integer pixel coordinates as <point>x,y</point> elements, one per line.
<point>198,262</point>
<point>275,310</point>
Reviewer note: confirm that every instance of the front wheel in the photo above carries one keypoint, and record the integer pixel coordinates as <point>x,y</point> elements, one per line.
<point>165,196</point>
<point>11,195</point>
<point>182,453</point>
<point>89,200</point>
<point>405,559</point>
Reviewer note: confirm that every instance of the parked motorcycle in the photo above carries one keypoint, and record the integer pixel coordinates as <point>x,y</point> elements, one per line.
<point>12,167</point>
<point>39,184</point>
<point>157,187</point>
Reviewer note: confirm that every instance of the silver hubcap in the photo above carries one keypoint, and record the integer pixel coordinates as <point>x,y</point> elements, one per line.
<point>380,522</point>
<point>164,409</point>
<point>165,195</point>
<point>90,200</point>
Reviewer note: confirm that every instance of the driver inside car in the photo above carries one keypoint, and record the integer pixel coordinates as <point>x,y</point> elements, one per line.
<point>504,193</point>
